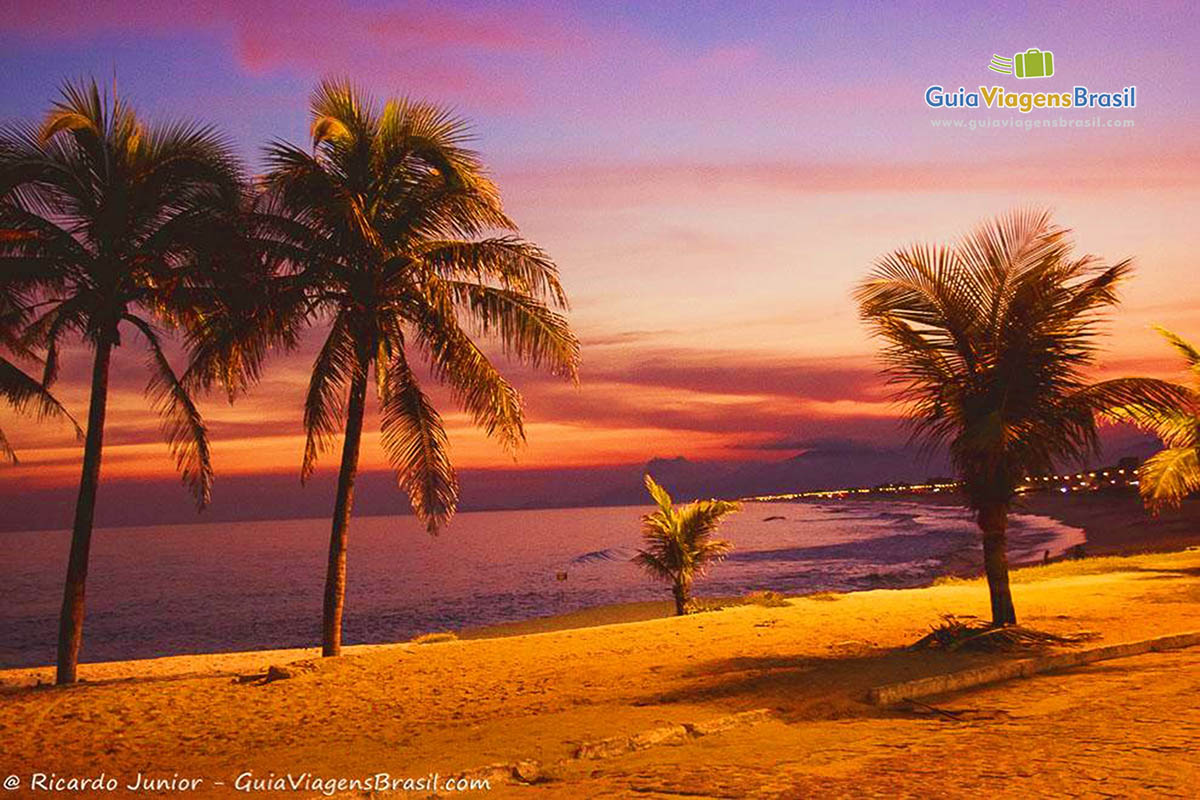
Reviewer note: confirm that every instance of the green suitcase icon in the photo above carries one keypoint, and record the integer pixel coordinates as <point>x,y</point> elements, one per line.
<point>1034,63</point>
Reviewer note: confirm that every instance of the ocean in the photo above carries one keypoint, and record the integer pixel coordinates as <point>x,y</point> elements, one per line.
<point>219,587</point>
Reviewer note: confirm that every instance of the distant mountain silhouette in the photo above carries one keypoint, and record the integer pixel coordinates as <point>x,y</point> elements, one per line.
<point>821,464</point>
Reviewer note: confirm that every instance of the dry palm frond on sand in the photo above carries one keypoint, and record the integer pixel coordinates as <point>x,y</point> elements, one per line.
<point>955,633</point>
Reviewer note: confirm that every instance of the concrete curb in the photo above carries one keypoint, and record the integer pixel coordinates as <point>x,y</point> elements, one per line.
<point>531,772</point>
<point>526,772</point>
<point>893,693</point>
<point>669,734</point>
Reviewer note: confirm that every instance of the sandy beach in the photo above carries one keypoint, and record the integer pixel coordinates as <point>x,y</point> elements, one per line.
<point>411,709</point>
<point>597,400</point>
<point>1116,522</point>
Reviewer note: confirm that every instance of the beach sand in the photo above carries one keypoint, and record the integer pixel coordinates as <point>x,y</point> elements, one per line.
<point>451,706</point>
<point>1115,522</point>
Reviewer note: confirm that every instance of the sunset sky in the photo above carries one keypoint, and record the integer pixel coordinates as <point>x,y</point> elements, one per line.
<point>711,177</point>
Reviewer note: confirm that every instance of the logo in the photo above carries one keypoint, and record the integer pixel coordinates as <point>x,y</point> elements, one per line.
<point>1033,63</point>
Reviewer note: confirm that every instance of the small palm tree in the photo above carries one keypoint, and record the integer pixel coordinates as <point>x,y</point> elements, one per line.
<point>107,222</point>
<point>19,389</point>
<point>1167,477</point>
<point>988,341</point>
<point>380,232</point>
<point>679,543</point>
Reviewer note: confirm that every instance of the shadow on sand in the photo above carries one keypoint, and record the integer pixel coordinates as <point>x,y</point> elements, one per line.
<point>815,687</point>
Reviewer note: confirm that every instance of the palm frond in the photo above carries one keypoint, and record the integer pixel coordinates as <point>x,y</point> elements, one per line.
<point>1174,428</point>
<point>1140,401</point>
<point>478,387</point>
<point>1167,477</point>
<point>7,454</point>
<point>527,328</point>
<point>698,523</point>
<point>416,446</point>
<point>516,264</point>
<point>659,494</point>
<point>241,321</point>
<point>337,363</point>
<point>19,389</point>
<point>339,112</point>
<point>655,563</point>
<point>1191,356</point>
<point>186,433</point>
<point>47,331</point>
<point>80,110</point>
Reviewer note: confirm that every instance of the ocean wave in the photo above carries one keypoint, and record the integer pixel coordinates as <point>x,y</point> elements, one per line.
<point>607,554</point>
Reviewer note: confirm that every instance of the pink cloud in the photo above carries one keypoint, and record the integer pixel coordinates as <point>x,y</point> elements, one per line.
<point>431,47</point>
<point>75,19</point>
<point>425,43</point>
<point>418,24</point>
<point>431,26</point>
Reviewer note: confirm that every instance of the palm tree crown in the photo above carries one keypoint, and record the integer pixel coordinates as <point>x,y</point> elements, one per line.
<point>382,227</point>
<point>1172,474</point>
<point>106,221</point>
<point>679,543</point>
<point>988,342</point>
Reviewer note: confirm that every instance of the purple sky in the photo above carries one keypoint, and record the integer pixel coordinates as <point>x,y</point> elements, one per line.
<point>712,178</point>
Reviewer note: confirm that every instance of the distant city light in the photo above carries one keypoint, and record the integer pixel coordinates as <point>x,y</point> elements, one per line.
<point>1080,481</point>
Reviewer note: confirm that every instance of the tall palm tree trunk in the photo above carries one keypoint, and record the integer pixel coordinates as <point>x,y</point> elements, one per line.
<point>70,623</point>
<point>993,521</point>
<point>335,575</point>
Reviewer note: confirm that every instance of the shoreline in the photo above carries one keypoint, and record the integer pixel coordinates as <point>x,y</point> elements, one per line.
<point>187,666</point>
<point>1113,524</point>
<point>456,706</point>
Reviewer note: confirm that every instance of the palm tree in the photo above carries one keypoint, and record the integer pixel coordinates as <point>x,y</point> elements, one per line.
<point>679,543</point>
<point>380,230</point>
<point>109,222</point>
<point>19,389</point>
<point>988,341</point>
<point>1170,475</point>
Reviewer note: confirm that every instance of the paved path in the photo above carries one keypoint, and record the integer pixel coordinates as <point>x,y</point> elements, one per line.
<point>1124,728</point>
